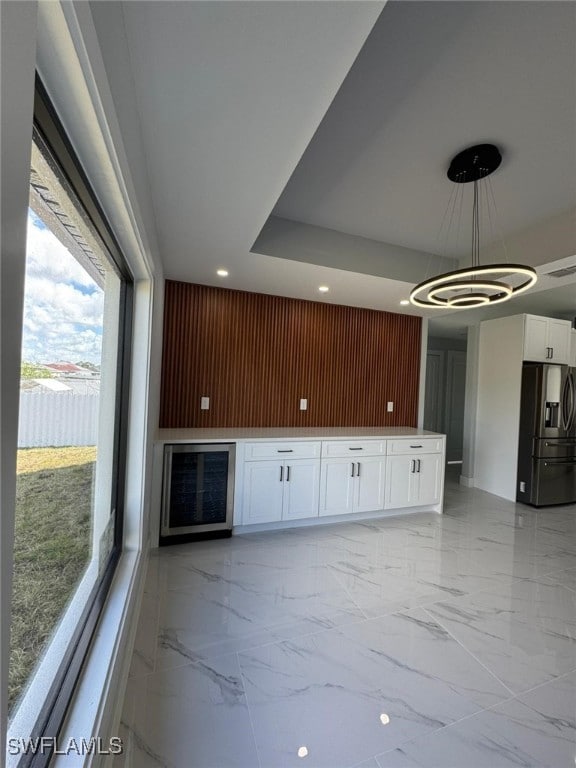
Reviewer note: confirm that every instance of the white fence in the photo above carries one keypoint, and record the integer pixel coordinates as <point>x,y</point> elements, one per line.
<point>57,418</point>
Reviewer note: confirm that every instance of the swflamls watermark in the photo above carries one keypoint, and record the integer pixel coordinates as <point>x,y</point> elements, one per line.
<point>44,745</point>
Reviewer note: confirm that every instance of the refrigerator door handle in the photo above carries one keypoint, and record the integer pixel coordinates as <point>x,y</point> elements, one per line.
<point>570,379</point>
<point>567,402</point>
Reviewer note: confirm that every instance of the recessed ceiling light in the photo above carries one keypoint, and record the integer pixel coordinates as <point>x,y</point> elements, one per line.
<point>384,719</point>
<point>222,272</point>
<point>323,288</point>
<point>404,302</point>
<point>302,752</point>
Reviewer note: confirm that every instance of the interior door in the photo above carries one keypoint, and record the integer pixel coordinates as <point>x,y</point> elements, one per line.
<point>433,397</point>
<point>454,408</point>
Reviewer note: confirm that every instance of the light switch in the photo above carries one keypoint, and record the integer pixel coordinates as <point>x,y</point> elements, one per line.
<point>390,407</point>
<point>204,403</point>
<point>303,404</point>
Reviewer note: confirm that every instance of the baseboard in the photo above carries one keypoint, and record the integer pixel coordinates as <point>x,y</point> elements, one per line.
<point>468,482</point>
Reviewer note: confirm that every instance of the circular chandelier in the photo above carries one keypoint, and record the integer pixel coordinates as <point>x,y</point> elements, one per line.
<point>477,285</point>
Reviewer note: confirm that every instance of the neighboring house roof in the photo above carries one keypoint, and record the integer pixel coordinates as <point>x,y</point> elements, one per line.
<point>64,367</point>
<point>66,384</point>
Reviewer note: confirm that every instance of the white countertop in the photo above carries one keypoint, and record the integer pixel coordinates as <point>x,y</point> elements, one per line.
<point>225,434</point>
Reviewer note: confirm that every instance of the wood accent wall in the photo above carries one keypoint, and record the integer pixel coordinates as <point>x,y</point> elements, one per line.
<point>256,355</point>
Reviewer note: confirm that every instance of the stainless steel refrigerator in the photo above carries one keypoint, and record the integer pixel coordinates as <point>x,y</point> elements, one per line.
<point>547,440</point>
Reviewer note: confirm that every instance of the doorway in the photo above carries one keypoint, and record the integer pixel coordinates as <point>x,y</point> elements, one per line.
<point>445,392</point>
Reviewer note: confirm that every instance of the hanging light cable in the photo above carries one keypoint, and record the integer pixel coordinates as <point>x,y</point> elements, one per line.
<point>476,285</point>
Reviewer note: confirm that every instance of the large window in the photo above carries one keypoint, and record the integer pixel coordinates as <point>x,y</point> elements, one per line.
<point>70,440</point>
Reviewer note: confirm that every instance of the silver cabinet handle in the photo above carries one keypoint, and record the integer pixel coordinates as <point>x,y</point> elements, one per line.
<point>419,462</point>
<point>281,473</point>
<point>358,470</point>
<point>288,475</point>
<point>415,446</point>
<point>284,450</point>
<point>412,465</point>
<point>352,475</point>
<point>355,449</point>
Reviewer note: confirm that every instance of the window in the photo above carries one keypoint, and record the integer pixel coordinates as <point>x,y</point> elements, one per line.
<point>77,311</point>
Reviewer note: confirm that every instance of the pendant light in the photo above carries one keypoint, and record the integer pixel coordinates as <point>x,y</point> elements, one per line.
<point>477,285</point>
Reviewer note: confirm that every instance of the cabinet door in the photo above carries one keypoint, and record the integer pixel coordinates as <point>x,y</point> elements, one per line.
<point>429,478</point>
<point>336,487</point>
<point>535,338</point>
<point>370,474</point>
<point>559,340</point>
<point>401,482</point>
<point>301,489</point>
<point>263,490</point>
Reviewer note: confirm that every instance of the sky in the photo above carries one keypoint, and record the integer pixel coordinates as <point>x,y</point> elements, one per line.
<point>62,305</point>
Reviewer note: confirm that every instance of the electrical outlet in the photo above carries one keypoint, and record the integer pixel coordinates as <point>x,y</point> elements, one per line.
<point>390,406</point>
<point>303,404</point>
<point>204,403</point>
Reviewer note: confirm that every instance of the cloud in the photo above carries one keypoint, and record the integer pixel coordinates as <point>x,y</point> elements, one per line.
<point>63,306</point>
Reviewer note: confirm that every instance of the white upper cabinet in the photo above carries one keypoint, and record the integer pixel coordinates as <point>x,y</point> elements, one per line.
<point>546,339</point>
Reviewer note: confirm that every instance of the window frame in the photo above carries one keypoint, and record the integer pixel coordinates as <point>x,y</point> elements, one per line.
<point>49,129</point>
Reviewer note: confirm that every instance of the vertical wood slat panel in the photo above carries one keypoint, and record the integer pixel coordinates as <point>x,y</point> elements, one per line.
<point>256,355</point>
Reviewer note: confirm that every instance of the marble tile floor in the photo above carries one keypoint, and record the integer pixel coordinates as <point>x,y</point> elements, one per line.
<point>422,640</point>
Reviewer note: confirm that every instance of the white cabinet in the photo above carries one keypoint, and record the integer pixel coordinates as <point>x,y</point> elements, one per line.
<point>413,480</point>
<point>546,339</point>
<point>370,477</point>
<point>301,489</point>
<point>337,486</point>
<point>280,488</point>
<point>263,491</point>
<point>572,360</point>
<point>352,486</point>
<point>293,480</point>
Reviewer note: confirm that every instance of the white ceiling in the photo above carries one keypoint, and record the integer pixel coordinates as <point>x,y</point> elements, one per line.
<point>241,105</point>
<point>433,78</point>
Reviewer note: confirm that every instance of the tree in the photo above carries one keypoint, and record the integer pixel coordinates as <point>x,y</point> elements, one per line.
<point>34,371</point>
<point>89,366</point>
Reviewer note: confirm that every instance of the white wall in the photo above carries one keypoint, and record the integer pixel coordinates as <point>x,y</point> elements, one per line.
<point>470,407</point>
<point>498,411</point>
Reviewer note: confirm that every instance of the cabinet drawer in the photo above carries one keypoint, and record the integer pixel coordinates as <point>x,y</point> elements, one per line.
<point>354,448</point>
<point>415,445</point>
<point>281,450</point>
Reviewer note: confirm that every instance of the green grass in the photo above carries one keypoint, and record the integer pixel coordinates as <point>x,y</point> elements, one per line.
<point>51,548</point>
